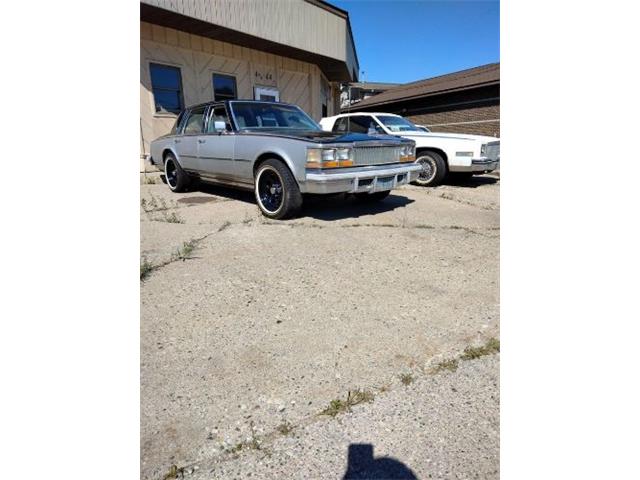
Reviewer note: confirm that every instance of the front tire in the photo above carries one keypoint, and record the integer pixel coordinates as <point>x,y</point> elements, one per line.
<point>177,179</point>
<point>434,169</point>
<point>277,193</point>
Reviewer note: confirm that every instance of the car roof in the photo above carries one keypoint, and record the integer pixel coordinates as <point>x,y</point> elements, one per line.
<point>243,100</point>
<point>349,114</point>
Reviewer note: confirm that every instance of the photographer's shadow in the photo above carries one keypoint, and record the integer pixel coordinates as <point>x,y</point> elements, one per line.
<point>362,465</point>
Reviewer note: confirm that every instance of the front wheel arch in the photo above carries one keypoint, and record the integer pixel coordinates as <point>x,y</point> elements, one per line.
<point>435,150</point>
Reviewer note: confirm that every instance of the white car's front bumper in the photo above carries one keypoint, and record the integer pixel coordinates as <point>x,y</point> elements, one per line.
<point>476,165</point>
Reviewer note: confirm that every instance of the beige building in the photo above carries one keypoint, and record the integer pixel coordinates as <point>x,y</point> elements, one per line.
<point>294,51</point>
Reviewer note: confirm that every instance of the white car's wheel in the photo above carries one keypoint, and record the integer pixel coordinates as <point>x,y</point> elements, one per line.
<point>434,168</point>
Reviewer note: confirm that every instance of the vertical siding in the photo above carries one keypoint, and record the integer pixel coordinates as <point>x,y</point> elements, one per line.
<point>199,57</point>
<point>289,22</point>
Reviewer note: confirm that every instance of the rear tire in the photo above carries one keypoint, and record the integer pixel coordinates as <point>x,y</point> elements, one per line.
<point>277,193</point>
<point>434,169</point>
<point>177,178</point>
<point>372,197</point>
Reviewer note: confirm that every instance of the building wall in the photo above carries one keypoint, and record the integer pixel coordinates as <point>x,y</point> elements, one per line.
<point>482,120</point>
<point>199,57</point>
<point>297,23</point>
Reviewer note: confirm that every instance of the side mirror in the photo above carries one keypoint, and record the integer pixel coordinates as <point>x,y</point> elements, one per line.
<point>219,126</point>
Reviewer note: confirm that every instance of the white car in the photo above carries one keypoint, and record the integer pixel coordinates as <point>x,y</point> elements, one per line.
<point>438,153</point>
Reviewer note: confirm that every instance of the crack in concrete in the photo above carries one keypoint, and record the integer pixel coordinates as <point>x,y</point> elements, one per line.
<point>263,441</point>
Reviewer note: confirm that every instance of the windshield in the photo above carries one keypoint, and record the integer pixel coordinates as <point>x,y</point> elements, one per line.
<point>398,124</point>
<point>255,115</point>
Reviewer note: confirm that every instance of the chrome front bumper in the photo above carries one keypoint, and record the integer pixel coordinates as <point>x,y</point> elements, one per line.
<point>484,164</point>
<point>360,179</point>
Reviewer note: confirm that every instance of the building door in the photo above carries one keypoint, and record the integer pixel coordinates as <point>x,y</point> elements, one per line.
<point>267,94</point>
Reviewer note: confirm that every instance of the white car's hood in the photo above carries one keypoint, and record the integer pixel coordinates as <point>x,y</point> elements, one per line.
<point>460,136</point>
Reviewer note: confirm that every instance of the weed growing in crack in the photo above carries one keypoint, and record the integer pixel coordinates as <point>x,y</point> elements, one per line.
<point>450,365</point>
<point>491,346</point>
<point>173,473</point>
<point>183,253</point>
<point>353,398</point>
<point>149,180</point>
<point>285,428</point>
<point>224,226</point>
<point>145,268</point>
<point>172,218</point>
<point>406,379</point>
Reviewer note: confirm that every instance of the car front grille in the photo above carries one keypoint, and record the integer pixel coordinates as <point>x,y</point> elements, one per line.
<point>375,155</point>
<point>493,150</point>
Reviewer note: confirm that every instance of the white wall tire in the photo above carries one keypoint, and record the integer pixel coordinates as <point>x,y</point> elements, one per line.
<point>434,169</point>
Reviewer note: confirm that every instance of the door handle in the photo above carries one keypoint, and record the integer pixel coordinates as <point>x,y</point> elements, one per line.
<point>176,140</point>
<point>201,140</point>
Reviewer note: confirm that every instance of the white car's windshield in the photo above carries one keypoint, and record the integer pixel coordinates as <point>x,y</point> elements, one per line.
<point>258,115</point>
<point>398,124</point>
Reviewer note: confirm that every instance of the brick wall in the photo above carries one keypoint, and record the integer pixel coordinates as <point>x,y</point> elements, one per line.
<point>484,120</point>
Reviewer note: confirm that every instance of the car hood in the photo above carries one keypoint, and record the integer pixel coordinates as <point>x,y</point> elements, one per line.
<point>321,136</point>
<point>458,136</point>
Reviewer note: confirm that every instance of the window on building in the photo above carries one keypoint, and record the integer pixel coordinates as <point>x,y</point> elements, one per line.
<point>224,87</point>
<point>267,94</point>
<point>195,122</point>
<point>166,84</point>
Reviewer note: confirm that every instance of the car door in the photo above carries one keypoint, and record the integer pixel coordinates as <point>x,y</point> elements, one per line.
<point>187,143</point>
<point>216,146</point>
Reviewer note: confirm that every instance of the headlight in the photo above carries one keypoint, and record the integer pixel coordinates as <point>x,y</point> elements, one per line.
<point>483,150</point>
<point>329,157</point>
<point>407,153</point>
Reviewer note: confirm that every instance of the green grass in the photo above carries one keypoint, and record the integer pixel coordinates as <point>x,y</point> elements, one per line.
<point>406,379</point>
<point>149,180</point>
<point>353,398</point>
<point>491,346</point>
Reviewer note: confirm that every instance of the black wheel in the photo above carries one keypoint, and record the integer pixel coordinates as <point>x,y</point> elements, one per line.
<point>434,169</point>
<point>277,192</point>
<point>372,197</point>
<point>177,179</point>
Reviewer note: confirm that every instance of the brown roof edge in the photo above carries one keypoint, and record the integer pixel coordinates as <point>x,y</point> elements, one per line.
<point>484,75</point>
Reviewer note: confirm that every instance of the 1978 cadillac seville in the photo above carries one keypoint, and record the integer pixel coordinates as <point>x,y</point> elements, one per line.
<point>277,150</point>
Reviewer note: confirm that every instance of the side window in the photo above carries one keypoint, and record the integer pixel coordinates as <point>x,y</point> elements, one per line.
<point>218,114</point>
<point>166,84</point>
<point>176,126</point>
<point>340,126</point>
<point>224,87</point>
<point>195,122</point>
<point>359,124</point>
